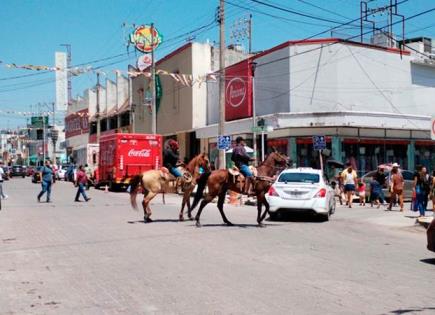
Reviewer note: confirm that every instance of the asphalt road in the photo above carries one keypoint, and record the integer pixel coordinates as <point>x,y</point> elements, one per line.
<point>100,258</point>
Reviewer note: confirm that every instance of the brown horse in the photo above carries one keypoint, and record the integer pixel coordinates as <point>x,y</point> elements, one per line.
<point>220,181</point>
<point>198,165</point>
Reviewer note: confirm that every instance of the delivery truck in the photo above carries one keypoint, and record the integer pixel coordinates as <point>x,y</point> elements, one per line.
<point>124,155</point>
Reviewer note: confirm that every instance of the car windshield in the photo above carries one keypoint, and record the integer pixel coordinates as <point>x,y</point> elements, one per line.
<point>299,178</point>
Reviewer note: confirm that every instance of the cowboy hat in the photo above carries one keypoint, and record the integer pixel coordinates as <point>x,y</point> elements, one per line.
<point>395,165</point>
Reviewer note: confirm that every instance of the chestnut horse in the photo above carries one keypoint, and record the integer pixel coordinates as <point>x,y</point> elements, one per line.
<point>196,167</point>
<point>220,181</point>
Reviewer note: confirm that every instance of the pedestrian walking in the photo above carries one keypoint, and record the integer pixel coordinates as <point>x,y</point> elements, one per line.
<point>349,180</point>
<point>81,181</point>
<point>381,178</point>
<point>375,193</point>
<point>2,174</point>
<point>418,188</point>
<point>396,187</point>
<point>427,180</point>
<point>47,178</point>
<point>362,193</point>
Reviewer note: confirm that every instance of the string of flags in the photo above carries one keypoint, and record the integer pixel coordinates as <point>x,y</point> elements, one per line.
<point>184,79</point>
<point>24,113</point>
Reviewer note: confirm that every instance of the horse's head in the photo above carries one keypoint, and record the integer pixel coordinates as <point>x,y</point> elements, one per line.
<point>279,159</point>
<point>203,161</point>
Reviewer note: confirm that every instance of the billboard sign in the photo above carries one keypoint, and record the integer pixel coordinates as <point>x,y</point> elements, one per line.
<point>432,128</point>
<point>61,81</point>
<point>39,121</point>
<point>238,91</point>
<point>146,38</point>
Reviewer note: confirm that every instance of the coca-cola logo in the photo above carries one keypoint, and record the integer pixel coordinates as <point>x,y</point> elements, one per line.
<point>236,92</point>
<point>139,153</point>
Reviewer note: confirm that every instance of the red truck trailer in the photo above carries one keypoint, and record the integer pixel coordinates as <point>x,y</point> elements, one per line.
<point>124,155</point>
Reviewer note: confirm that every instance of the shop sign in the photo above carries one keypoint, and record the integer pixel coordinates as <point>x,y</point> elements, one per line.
<point>143,62</point>
<point>146,38</point>
<point>238,91</point>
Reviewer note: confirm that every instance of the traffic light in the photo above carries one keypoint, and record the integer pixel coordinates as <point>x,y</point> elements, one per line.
<point>261,122</point>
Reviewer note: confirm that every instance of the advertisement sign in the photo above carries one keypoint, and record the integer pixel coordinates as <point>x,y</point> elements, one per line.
<point>145,38</point>
<point>143,62</point>
<point>37,121</point>
<point>61,81</point>
<point>77,123</point>
<point>238,91</point>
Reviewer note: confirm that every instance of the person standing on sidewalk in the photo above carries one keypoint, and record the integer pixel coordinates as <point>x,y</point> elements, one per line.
<point>418,188</point>
<point>396,187</point>
<point>82,180</point>
<point>349,180</point>
<point>427,180</point>
<point>2,173</point>
<point>47,178</point>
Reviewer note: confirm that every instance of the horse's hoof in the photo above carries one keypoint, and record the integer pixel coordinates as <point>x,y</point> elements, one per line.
<point>181,218</point>
<point>261,225</point>
<point>191,218</point>
<point>148,220</point>
<point>198,225</point>
<point>228,223</point>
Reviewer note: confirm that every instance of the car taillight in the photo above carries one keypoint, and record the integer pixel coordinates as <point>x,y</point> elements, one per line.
<point>272,192</point>
<point>321,193</point>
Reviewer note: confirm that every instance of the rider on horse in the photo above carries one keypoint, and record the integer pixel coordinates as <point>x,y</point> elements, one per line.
<point>171,158</point>
<point>242,159</point>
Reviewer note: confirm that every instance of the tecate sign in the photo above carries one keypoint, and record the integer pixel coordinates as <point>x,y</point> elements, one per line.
<point>139,153</point>
<point>236,92</point>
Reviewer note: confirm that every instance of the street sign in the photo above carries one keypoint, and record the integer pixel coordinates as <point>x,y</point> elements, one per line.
<point>319,143</point>
<point>224,142</point>
<point>432,128</point>
<point>258,129</point>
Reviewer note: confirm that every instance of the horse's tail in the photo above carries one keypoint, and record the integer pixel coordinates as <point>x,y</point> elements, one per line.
<point>135,183</point>
<point>202,182</point>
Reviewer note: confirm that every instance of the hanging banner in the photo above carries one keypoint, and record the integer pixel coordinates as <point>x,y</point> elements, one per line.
<point>238,91</point>
<point>146,38</point>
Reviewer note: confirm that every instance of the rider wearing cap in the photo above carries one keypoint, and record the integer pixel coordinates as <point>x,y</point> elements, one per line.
<point>242,159</point>
<point>171,158</point>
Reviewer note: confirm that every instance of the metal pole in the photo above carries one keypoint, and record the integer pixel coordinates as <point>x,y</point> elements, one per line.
<point>254,121</point>
<point>54,128</point>
<point>153,85</point>
<point>262,146</point>
<point>97,114</point>
<point>250,33</point>
<point>43,138</point>
<point>221,20</point>
<point>321,160</point>
<point>130,101</point>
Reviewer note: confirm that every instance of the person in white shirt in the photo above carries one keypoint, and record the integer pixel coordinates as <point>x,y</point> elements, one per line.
<point>2,173</point>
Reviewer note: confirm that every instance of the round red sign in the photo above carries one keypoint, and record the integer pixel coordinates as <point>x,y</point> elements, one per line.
<point>236,92</point>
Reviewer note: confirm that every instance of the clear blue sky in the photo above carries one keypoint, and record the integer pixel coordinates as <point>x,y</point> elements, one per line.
<point>31,31</point>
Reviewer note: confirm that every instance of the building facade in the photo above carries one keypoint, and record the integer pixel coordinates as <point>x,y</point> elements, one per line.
<point>373,104</point>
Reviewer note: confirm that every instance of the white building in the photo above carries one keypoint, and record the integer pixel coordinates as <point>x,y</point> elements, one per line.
<point>373,104</point>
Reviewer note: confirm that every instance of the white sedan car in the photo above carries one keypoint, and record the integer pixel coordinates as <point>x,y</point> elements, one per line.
<point>301,189</point>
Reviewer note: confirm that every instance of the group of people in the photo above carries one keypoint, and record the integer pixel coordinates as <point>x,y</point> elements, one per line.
<point>47,175</point>
<point>423,188</point>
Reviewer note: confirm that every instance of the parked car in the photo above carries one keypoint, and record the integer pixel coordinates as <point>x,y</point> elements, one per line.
<point>19,170</point>
<point>301,189</point>
<point>431,236</point>
<point>408,177</point>
<point>7,172</point>
<point>36,178</point>
<point>60,173</point>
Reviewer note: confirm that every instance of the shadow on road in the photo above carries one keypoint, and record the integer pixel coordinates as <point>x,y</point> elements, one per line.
<point>239,225</point>
<point>155,221</point>
<point>430,261</point>
<point>412,310</point>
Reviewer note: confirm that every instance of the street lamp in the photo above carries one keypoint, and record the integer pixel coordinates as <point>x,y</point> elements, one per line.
<point>253,65</point>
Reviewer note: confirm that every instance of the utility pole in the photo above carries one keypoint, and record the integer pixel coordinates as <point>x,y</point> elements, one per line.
<point>153,85</point>
<point>97,114</point>
<point>254,113</point>
<point>250,33</point>
<point>221,20</point>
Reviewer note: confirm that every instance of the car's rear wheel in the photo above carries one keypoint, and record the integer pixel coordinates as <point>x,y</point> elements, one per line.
<point>325,217</point>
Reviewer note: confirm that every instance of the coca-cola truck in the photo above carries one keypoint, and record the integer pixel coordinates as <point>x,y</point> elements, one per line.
<point>124,155</point>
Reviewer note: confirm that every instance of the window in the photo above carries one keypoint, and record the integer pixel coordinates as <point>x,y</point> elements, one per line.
<point>299,178</point>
